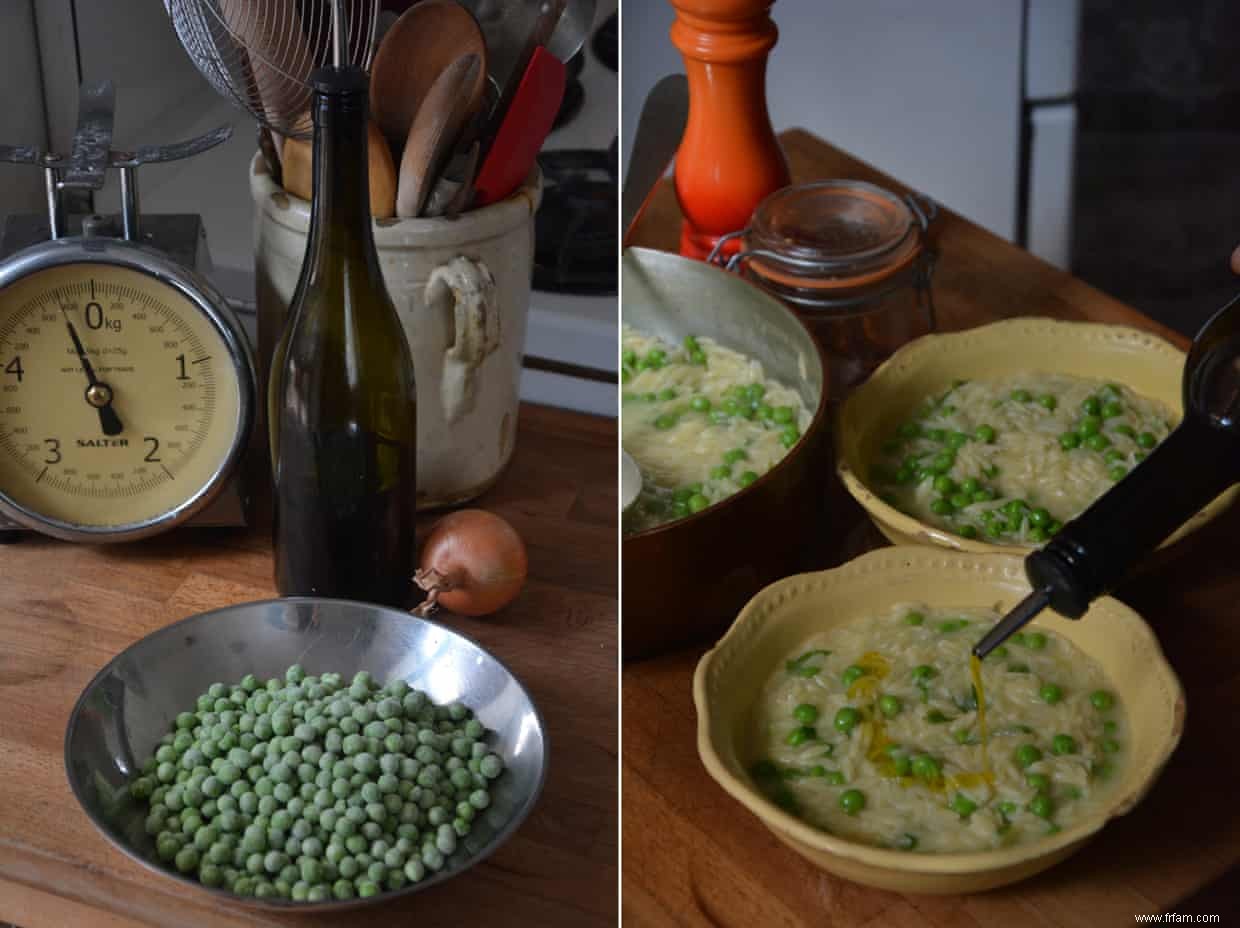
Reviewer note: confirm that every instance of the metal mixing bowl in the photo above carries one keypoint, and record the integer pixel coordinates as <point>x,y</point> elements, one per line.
<point>131,703</point>
<point>685,580</point>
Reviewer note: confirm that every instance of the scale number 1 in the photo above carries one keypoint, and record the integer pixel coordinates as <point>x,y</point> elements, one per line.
<point>181,364</point>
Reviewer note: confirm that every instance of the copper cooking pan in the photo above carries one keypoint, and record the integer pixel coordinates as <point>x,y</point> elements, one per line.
<point>685,581</point>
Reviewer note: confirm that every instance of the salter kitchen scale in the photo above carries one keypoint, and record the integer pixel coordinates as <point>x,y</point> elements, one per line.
<point>127,386</point>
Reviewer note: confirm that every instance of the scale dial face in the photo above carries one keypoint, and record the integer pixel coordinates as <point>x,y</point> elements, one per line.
<point>123,404</point>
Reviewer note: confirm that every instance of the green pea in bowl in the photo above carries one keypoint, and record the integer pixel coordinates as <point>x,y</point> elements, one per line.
<point>155,684</point>
<point>929,366</point>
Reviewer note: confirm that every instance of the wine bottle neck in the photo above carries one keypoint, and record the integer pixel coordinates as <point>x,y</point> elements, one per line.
<point>340,214</point>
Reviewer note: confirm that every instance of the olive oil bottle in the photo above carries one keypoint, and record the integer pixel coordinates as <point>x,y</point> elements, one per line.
<point>341,401</point>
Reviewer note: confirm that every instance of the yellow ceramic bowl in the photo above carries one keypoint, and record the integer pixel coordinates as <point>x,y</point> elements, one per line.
<point>1144,362</point>
<point>783,615</point>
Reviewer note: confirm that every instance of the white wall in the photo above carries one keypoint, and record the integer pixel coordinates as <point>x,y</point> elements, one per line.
<point>21,115</point>
<point>926,91</point>
<point>160,97</point>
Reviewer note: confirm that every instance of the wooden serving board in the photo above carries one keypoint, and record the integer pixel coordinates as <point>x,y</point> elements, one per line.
<point>66,610</point>
<point>693,856</point>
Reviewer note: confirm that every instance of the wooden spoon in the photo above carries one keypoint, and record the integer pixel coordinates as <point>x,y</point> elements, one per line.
<point>299,171</point>
<point>427,38</point>
<point>444,111</point>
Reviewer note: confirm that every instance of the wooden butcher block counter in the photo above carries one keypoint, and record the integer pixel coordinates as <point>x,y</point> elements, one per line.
<point>67,610</point>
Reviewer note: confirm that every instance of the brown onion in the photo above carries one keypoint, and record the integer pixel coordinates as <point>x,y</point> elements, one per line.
<point>473,563</point>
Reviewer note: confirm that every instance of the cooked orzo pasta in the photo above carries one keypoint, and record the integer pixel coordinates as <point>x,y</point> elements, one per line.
<point>872,732</point>
<point>1011,460</point>
<point>702,421</point>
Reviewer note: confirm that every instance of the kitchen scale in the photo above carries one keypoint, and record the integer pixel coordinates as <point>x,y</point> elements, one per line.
<point>127,386</point>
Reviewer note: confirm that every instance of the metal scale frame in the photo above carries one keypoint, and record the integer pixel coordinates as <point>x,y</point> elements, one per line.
<point>180,237</point>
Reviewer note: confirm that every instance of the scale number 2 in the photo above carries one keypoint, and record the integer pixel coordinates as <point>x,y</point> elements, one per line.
<point>14,367</point>
<point>151,452</point>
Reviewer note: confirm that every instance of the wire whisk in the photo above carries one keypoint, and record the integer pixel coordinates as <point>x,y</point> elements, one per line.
<point>259,53</point>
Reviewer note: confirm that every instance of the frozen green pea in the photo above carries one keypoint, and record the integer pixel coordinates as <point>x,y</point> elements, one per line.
<point>445,840</point>
<point>348,867</point>
<point>415,869</point>
<point>304,732</point>
<point>491,766</point>
<point>187,859</point>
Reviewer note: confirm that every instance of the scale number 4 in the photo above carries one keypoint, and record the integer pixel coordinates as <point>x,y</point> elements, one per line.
<point>14,367</point>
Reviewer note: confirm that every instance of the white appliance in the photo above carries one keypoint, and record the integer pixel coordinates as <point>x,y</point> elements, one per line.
<point>578,334</point>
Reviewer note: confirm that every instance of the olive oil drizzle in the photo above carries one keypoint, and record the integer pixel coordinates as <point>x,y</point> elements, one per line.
<point>975,671</point>
<point>877,667</point>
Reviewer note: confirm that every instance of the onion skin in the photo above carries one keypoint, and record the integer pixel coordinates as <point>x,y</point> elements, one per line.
<point>474,563</point>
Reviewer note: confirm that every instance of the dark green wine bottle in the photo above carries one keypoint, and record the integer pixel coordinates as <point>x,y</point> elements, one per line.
<point>342,408</point>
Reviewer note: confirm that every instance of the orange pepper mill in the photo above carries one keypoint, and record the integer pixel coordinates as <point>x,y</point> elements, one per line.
<point>729,158</point>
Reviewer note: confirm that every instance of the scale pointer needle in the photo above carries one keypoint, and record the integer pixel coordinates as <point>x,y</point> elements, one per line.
<point>98,393</point>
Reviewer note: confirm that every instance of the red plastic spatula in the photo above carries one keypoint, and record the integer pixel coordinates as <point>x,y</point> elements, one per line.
<point>524,128</point>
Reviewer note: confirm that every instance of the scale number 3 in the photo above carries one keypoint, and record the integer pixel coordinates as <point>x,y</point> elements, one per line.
<point>53,451</point>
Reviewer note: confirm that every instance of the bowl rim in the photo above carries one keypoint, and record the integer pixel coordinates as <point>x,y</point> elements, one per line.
<point>818,422</point>
<point>289,905</point>
<point>946,863</point>
<point>887,517</point>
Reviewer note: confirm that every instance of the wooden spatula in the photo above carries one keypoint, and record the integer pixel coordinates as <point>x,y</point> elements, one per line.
<point>427,38</point>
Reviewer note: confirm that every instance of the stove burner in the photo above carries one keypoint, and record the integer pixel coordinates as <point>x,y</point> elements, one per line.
<point>606,42</point>
<point>574,93</point>
<point>575,242</point>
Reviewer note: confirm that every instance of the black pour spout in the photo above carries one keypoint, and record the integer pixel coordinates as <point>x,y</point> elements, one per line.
<point>1093,553</point>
